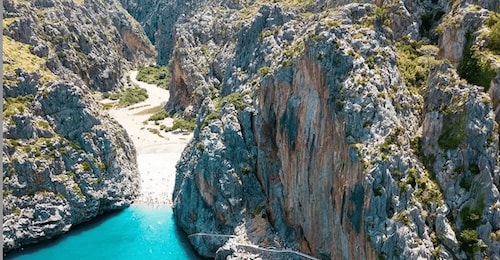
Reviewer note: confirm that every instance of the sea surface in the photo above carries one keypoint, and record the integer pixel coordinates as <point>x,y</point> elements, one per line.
<point>138,232</point>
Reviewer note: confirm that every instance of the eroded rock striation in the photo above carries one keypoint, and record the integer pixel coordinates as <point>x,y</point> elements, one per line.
<point>65,161</point>
<point>339,130</point>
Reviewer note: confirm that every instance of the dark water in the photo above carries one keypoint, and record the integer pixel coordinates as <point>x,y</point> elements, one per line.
<point>138,232</point>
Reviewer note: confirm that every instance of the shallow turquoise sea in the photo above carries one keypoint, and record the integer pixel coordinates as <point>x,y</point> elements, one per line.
<point>138,232</point>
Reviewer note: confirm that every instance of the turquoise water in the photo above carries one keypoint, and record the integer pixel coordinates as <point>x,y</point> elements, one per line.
<point>138,232</point>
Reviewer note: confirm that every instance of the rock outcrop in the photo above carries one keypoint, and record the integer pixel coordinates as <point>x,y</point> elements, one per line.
<point>337,130</point>
<point>65,161</point>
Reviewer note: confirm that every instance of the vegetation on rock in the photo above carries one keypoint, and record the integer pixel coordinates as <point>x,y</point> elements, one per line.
<point>154,74</point>
<point>493,22</point>
<point>475,66</point>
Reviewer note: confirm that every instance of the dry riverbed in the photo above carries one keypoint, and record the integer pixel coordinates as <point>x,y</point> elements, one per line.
<point>157,151</point>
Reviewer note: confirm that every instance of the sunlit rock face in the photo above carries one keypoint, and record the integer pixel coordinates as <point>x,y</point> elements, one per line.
<point>337,130</point>
<point>65,160</point>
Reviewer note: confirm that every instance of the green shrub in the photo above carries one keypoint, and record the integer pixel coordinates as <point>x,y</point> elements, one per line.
<point>200,146</point>
<point>474,169</point>
<point>378,191</point>
<point>132,96</point>
<point>472,217</point>
<point>183,124</point>
<point>264,71</point>
<point>453,135</point>
<point>413,66</point>
<point>412,177</point>
<point>404,217</point>
<point>475,67</point>
<point>157,75</point>
<point>245,170</point>
<point>465,183</point>
<point>86,166</point>
<point>381,16</point>
<point>469,241</point>
<point>160,115</point>
<point>212,116</point>
<point>493,22</point>
<point>114,95</point>
<point>237,100</point>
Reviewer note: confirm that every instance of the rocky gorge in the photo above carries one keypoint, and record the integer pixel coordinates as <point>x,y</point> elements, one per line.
<point>341,130</point>
<point>325,129</point>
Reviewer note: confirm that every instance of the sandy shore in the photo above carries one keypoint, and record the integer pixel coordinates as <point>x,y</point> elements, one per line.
<point>156,154</point>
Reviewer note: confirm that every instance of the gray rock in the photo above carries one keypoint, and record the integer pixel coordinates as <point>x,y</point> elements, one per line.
<point>326,134</point>
<point>65,161</point>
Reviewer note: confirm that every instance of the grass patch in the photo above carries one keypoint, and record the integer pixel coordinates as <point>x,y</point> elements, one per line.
<point>16,105</point>
<point>6,22</point>
<point>153,74</point>
<point>21,57</point>
<point>43,124</point>
<point>78,191</point>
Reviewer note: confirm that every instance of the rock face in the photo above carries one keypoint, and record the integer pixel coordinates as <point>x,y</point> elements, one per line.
<point>158,19</point>
<point>337,130</point>
<point>64,160</point>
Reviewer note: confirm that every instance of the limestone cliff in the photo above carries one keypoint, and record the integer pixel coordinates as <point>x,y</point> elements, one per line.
<point>343,131</point>
<point>64,160</point>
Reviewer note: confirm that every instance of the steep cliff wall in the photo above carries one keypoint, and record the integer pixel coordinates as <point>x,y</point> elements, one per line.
<point>64,160</point>
<point>339,130</point>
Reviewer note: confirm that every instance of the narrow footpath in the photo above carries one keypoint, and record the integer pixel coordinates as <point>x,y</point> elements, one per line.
<point>157,151</point>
